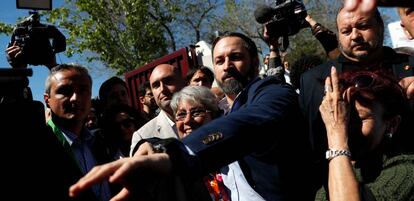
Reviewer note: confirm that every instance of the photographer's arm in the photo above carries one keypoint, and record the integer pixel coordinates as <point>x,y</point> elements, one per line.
<point>275,63</point>
<point>326,37</point>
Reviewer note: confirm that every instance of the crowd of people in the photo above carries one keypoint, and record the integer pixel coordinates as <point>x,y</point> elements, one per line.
<point>305,130</point>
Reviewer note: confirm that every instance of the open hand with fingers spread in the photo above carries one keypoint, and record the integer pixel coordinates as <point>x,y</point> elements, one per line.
<point>131,172</point>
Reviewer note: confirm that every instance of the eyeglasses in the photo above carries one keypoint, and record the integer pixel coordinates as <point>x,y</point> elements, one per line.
<point>180,116</point>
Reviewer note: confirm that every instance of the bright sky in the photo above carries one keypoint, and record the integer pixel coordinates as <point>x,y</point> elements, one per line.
<point>9,14</point>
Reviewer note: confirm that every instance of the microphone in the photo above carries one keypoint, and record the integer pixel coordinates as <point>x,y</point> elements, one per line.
<point>263,13</point>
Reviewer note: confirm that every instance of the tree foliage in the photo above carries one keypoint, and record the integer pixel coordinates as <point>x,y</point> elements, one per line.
<point>120,33</point>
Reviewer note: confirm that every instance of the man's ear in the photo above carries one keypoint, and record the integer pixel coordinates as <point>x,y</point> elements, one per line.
<point>46,99</point>
<point>141,99</point>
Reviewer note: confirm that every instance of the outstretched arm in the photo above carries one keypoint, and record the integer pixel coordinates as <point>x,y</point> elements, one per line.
<point>123,171</point>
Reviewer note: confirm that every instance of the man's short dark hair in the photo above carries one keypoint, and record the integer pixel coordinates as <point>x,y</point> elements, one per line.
<point>107,85</point>
<point>64,67</point>
<point>203,69</point>
<point>143,89</point>
<point>248,43</point>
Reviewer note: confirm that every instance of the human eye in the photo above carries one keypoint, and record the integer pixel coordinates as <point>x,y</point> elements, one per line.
<point>236,57</point>
<point>408,11</point>
<point>218,61</point>
<point>155,85</point>
<point>345,31</point>
<point>180,116</point>
<point>197,113</point>
<point>65,90</point>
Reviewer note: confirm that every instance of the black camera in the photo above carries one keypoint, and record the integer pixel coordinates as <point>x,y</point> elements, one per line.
<point>285,19</point>
<point>34,39</point>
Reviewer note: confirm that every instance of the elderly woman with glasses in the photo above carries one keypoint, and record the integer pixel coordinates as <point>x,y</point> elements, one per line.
<point>370,146</point>
<point>193,107</point>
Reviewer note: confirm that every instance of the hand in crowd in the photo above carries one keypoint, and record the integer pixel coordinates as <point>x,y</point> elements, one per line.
<point>144,149</point>
<point>369,5</point>
<point>335,113</point>
<point>271,41</point>
<point>15,52</point>
<point>120,171</point>
<point>408,85</point>
<point>366,5</point>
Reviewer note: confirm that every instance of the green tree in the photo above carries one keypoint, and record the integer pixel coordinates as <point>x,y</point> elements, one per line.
<point>120,34</point>
<point>189,21</point>
<point>126,34</point>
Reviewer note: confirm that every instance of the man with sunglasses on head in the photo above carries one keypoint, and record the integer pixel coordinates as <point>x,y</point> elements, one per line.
<point>360,37</point>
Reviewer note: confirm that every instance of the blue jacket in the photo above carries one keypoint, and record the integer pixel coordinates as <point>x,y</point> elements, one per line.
<point>265,132</point>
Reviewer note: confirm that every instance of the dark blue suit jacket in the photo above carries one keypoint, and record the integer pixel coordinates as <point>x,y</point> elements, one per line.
<point>265,132</point>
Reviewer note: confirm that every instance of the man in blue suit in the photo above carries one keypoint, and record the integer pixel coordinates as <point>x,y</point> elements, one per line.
<point>263,132</point>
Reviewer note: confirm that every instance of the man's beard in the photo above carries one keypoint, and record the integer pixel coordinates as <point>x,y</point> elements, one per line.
<point>231,87</point>
<point>236,85</point>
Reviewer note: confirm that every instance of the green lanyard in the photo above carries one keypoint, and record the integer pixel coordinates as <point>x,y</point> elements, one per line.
<point>58,133</point>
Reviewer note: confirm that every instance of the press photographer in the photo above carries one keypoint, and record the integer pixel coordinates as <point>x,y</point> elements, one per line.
<point>30,43</point>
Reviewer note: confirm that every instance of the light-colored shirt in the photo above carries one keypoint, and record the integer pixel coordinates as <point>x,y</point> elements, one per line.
<point>237,185</point>
<point>82,150</point>
<point>235,181</point>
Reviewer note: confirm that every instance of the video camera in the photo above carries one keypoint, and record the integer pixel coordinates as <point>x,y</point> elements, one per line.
<point>34,39</point>
<point>285,19</point>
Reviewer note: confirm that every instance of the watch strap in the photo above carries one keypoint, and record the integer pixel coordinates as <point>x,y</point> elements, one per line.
<point>332,153</point>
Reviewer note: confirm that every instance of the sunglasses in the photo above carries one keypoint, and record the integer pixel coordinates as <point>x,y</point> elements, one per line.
<point>360,80</point>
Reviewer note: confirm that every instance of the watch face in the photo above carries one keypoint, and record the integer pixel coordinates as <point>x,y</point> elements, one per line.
<point>328,154</point>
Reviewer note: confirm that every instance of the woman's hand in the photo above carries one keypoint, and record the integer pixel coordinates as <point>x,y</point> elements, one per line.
<point>335,113</point>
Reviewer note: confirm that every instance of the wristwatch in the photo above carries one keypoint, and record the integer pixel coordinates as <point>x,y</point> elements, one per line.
<point>332,153</point>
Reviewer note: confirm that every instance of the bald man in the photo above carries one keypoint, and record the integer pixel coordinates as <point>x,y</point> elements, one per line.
<point>165,80</point>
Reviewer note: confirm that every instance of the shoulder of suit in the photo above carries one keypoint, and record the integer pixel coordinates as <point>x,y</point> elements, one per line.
<point>149,126</point>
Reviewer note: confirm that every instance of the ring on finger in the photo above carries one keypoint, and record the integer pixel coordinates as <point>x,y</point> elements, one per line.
<point>328,89</point>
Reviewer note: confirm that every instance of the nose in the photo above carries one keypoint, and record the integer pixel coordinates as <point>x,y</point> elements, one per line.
<point>187,118</point>
<point>227,64</point>
<point>162,87</point>
<point>74,97</point>
<point>355,34</point>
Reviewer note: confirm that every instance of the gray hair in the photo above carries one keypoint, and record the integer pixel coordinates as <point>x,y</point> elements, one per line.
<point>195,94</point>
<point>65,67</point>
